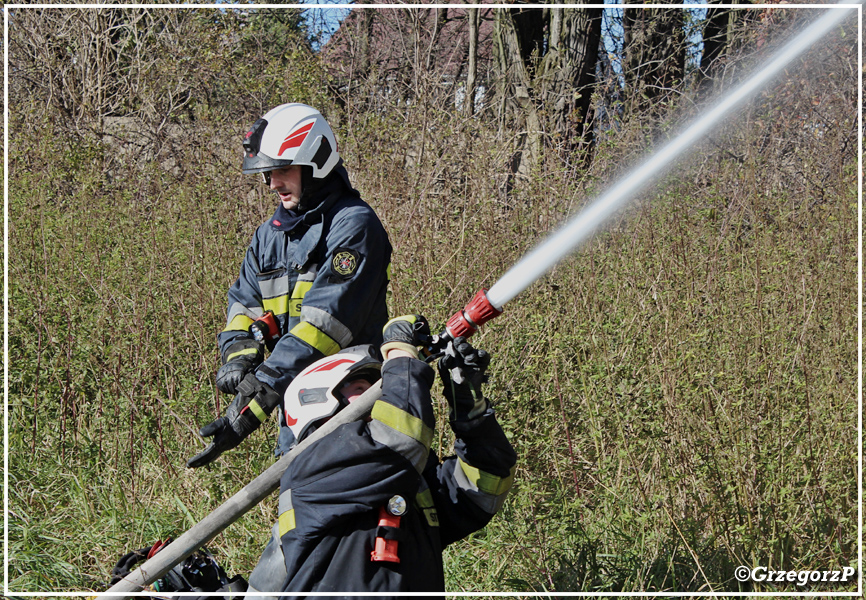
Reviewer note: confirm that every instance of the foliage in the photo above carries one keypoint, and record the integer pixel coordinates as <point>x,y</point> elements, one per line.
<point>682,392</point>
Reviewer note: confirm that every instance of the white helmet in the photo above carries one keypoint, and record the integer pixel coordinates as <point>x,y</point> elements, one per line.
<point>291,134</point>
<point>314,394</point>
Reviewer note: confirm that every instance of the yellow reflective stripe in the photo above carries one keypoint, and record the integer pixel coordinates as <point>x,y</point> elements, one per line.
<point>388,271</point>
<point>244,352</point>
<point>287,522</point>
<point>257,411</point>
<point>239,323</point>
<point>424,500</point>
<point>485,482</point>
<point>408,318</point>
<point>400,420</point>
<point>297,299</point>
<point>301,288</point>
<point>278,305</point>
<point>315,338</point>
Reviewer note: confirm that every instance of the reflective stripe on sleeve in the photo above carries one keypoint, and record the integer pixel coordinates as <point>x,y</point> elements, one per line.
<point>407,435</point>
<point>315,338</point>
<point>240,317</point>
<point>287,513</point>
<point>326,323</point>
<point>239,323</point>
<point>260,414</point>
<point>244,352</point>
<point>486,490</point>
<point>239,309</point>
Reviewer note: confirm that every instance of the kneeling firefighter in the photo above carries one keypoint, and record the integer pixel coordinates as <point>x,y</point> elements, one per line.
<point>368,508</point>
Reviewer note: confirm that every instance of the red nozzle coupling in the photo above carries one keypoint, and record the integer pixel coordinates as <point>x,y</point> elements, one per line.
<point>465,322</point>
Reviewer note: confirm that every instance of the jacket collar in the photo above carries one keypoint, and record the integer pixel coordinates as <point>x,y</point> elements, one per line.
<point>335,188</point>
<point>285,220</point>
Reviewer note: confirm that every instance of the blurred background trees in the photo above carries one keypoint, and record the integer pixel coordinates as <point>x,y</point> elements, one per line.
<point>546,79</point>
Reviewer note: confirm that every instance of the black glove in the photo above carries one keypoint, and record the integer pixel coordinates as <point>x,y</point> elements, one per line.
<point>405,333</point>
<point>462,370</point>
<point>239,358</point>
<point>252,405</point>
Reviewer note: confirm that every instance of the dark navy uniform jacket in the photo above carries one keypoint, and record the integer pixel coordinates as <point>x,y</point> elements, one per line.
<point>324,274</point>
<point>330,496</point>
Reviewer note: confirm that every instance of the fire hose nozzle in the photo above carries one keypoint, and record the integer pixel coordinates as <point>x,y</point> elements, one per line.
<point>465,322</point>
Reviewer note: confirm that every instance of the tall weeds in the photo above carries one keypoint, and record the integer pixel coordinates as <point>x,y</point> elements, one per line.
<point>681,391</point>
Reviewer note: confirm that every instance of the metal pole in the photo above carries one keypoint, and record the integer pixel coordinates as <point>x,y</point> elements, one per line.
<point>233,508</point>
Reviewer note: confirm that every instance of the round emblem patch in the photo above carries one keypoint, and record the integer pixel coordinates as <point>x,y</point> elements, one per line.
<point>345,262</point>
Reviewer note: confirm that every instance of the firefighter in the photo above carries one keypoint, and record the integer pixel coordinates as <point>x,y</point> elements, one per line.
<point>369,508</point>
<point>313,280</point>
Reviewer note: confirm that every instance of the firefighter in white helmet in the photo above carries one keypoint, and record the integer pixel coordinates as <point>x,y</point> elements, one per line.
<point>369,507</point>
<point>313,280</point>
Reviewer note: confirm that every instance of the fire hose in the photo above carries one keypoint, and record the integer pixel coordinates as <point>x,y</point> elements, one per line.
<point>233,508</point>
<point>462,324</point>
<point>486,305</point>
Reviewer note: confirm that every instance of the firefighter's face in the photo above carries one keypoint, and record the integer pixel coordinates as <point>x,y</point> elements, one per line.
<point>286,182</point>
<point>352,390</point>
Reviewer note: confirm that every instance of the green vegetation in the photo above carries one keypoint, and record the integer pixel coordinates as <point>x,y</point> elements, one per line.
<point>682,392</point>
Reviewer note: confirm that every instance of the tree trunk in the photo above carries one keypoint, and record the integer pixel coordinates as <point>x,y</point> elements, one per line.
<point>546,62</point>
<point>568,72</point>
<point>517,89</point>
<point>473,15</point>
<point>655,55</point>
<point>715,38</point>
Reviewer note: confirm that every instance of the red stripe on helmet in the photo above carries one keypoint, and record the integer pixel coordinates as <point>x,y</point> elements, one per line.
<point>296,138</point>
<point>330,365</point>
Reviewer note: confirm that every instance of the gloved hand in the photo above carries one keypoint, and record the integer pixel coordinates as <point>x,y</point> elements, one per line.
<point>252,405</point>
<point>462,370</point>
<point>239,358</point>
<point>405,333</point>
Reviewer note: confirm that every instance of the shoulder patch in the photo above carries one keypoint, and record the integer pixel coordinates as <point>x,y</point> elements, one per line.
<point>345,262</point>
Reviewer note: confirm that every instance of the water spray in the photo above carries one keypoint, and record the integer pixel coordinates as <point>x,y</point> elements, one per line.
<point>485,305</point>
<point>537,262</point>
